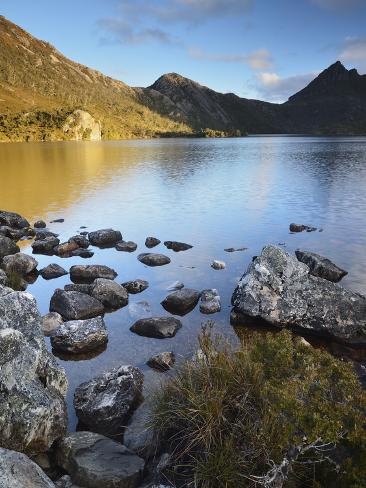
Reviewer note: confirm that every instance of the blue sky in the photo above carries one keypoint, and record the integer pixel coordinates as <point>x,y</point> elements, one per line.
<point>265,49</point>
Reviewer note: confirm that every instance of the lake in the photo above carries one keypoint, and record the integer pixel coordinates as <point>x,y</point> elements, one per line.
<point>211,193</point>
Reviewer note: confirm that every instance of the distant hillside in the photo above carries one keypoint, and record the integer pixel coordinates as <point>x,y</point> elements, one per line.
<point>46,96</point>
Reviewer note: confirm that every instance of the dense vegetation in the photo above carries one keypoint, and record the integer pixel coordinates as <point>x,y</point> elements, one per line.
<point>274,412</point>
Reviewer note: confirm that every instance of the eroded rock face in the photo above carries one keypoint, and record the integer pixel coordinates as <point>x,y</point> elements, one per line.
<point>105,237</point>
<point>279,290</point>
<point>73,305</point>
<point>182,301</point>
<point>80,336</point>
<point>210,301</point>
<point>135,286</point>
<point>177,246</point>
<point>7,247</point>
<point>151,259</point>
<point>12,219</point>
<point>32,406</point>
<point>80,125</point>
<point>109,293</point>
<point>321,266</point>
<point>89,273</point>
<point>52,271</point>
<point>18,471</point>
<point>94,461</point>
<point>157,327</point>
<point>105,403</point>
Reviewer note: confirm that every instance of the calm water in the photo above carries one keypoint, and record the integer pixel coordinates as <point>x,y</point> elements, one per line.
<point>212,194</point>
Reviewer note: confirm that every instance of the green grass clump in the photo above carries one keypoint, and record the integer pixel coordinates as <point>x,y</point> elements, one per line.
<point>273,412</point>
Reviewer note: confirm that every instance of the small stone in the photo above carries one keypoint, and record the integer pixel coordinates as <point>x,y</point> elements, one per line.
<point>52,271</point>
<point>162,362</point>
<point>151,259</point>
<point>135,286</point>
<point>301,228</point>
<point>152,242</point>
<point>40,224</point>
<point>218,264</point>
<point>126,246</point>
<point>157,327</point>
<point>182,301</point>
<point>177,246</point>
<point>50,322</point>
<point>80,336</point>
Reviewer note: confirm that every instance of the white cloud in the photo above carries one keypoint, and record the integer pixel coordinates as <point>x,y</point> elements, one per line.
<point>354,51</point>
<point>260,59</point>
<point>273,88</point>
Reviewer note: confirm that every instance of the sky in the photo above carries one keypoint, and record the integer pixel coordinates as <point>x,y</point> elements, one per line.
<point>266,49</point>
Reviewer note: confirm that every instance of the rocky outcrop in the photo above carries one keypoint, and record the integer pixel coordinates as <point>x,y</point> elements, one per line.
<point>7,247</point>
<point>182,301</point>
<point>52,271</point>
<point>80,125</point>
<point>87,274</point>
<point>94,461</point>
<point>177,246</point>
<point>80,336</point>
<point>135,286</point>
<point>32,405</point>
<point>279,290</point>
<point>105,237</point>
<point>151,259</point>
<point>321,266</point>
<point>105,403</point>
<point>157,327</point>
<point>19,263</point>
<point>109,293</point>
<point>210,301</point>
<point>73,305</point>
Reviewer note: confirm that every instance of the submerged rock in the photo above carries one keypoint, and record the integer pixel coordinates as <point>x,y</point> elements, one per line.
<point>301,228</point>
<point>139,435</point>
<point>151,259</point>
<point>235,249</point>
<point>109,293</point>
<point>88,273</point>
<point>218,264</point>
<point>157,327</point>
<point>19,263</point>
<point>12,219</point>
<point>82,253</point>
<point>162,361</point>
<point>176,285</point>
<point>7,247</point>
<point>105,403</point>
<point>50,322</point>
<point>321,266</point>
<point>80,336</point>
<point>73,305</point>
<point>152,242</point>
<point>126,246</point>
<point>105,237</point>
<point>177,246</point>
<point>52,271</point>
<point>135,286</point>
<point>210,301</point>
<point>182,301</point>
<point>279,290</point>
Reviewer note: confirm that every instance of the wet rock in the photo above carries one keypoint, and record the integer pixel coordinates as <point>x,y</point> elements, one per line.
<point>151,259</point>
<point>321,266</point>
<point>7,246</point>
<point>94,461</point>
<point>80,240</point>
<point>157,327</point>
<point>52,271</point>
<point>162,362</point>
<point>301,228</point>
<point>80,287</point>
<point>12,219</point>
<point>82,253</point>
<point>66,248</point>
<point>218,264</point>
<point>18,471</point>
<point>73,305</point>
<point>57,221</point>
<point>152,242</point>
<point>279,290</point>
<point>105,237</point>
<point>139,436</point>
<point>182,301</point>
<point>210,301</point>
<point>32,408</point>
<point>80,336</point>
<point>16,234</point>
<point>45,245</point>
<point>106,402</point>
<point>126,246</point>
<point>40,224</point>
<point>176,285</point>
<point>135,286</point>
<point>50,322</point>
<point>109,293</point>
<point>19,263</point>
<point>43,234</point>
<point>88,273</point>
<point>177,246</point>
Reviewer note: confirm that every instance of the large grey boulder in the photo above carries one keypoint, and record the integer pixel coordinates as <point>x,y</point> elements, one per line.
<point>321,266</point>
<point>105,403</point>
<point>111,294</point>
<point>73,305</point>
<point>94,461</point>
<point>181,302</point>
<point>32,406</point>
<point>80,336</point>
<point>88,273</point>
<point>105,237</point>
<point>19,263</point>
<point>7,247</point>
<point>157,327</point>
<point>52,271</point>
<point>152,259</point>
<point>279,290</point>
<point>12,219</point>
<point>18,471</point>
<point>135,286</point>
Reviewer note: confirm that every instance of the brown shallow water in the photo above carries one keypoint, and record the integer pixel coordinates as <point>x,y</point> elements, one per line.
<point>213,194</point>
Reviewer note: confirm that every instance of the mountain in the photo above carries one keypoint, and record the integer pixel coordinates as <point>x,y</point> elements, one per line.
<point>46,96</point>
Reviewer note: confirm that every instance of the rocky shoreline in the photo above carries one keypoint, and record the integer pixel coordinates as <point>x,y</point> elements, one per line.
<point>115,448</point>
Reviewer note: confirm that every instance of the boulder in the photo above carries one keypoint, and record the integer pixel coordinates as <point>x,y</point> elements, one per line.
<point>40,224</point>
<point>177,246</point>
<point>80,287</point>
<point>66,249</point>
<point>73,305</point>
<point>32,406</point>
<point>279,290</point>
<point>45,245</point>
<point>105,237</point>
<point>43,234</point>
<point>94,461</point>
<point>7,247</point>
<point>301,228</point>
<point>321,266</point>
<point>126,246</point>
<point>218,264</point>
<point>152,242</point>
<point>80,336</point>
<point>88,273</point>
<point>81,125</point>
<point>210,301</point>
<point>12,219</point>
<point>157,327</point>
<point>52,271</point>
<point>181,302</point>
<point>80,240</point>
<point>19,263</point>
<point>106,402</point>
<point>135,286</point>
<point>18,471</point>
<point>151,259</point>
<point>109,293</point>
<point>162,361</point>
<point>50,322</point>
